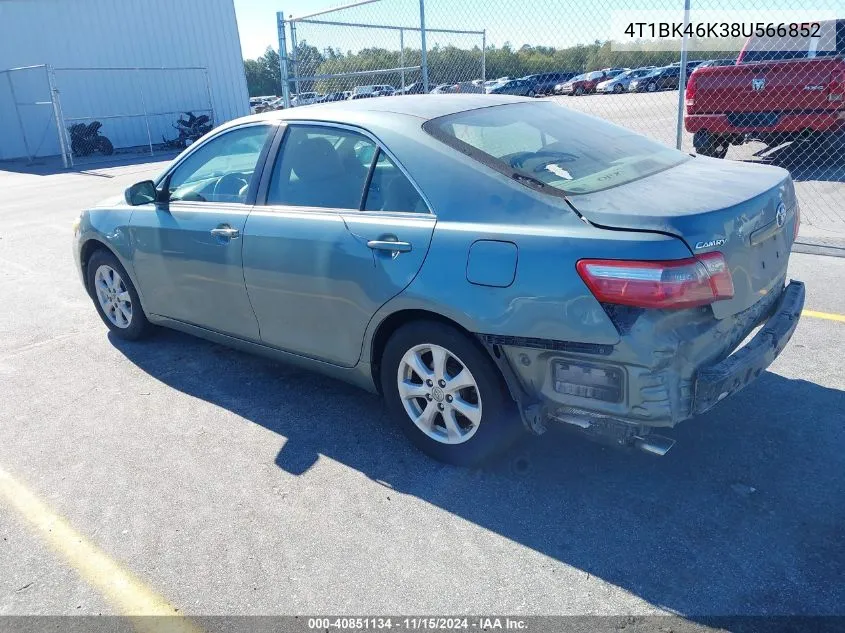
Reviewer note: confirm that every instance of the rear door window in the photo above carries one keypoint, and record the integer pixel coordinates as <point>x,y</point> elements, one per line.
<point>390,189</point>
<point>321,166</point>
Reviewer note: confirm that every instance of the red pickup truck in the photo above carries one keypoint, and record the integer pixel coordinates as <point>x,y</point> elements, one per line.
<point>780,90</point>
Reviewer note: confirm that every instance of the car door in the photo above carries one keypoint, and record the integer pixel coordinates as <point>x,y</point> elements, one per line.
<point>320,256</point>
<point>187,251</point>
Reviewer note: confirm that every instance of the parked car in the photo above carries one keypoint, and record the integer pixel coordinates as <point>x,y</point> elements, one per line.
<point>467,87</point>
<point>520,87</point>
<point>409,282</point>
<point>581,84</point>
<point>666,78</point>
<point>415,88</point>
<point>544,83</point>
<point>376,90</point>
<point>622,81</point>
<point>780,90</point>
<point>275,104</point>
<point>304,98</point>
<point>332,96</point>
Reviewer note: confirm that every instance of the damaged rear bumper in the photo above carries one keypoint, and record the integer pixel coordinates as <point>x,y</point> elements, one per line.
<point>667,368</point>
<point>719,381</point>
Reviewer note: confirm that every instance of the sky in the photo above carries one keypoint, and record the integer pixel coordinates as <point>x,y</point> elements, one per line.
<point>536,22</point>
<point>517,21</point>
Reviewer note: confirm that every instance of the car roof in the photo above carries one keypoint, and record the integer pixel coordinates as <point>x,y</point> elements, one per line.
<point>425,107</point>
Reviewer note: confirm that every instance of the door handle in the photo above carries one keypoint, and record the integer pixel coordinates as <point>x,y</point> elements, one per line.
<point>389,245</point>
<point>226,233</point>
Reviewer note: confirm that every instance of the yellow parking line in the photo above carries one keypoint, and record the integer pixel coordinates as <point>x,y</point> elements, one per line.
<point>121,588</point>
<point>823,315</point>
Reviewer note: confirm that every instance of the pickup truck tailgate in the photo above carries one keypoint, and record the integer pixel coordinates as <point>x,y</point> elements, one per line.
<point>763,87</point>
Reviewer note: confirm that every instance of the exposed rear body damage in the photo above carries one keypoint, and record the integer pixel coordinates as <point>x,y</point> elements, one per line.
<point>672,364</point>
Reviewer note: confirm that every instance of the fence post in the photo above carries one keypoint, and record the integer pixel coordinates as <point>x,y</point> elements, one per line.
<point>293,60</point>
<point>54,98</point>
<point>18,114</point>
<point>402,55</point>
<point>208,95</point>
<point>283,57</point>
<point>682,79</point>
<point>424,60</point>
<point>483,58</point>
<point>144,109</point>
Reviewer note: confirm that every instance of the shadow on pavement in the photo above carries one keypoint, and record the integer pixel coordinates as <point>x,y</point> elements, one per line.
<point>744,516</point>
<point>51,165</point>
<point>821,159</point>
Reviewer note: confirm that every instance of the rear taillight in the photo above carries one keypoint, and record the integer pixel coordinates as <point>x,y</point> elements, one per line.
<point>835,89</point>
<point>689,95</point>
<point>681,283</point>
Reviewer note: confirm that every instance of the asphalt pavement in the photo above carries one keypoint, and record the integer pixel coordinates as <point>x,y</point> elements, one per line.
<point>228,484</point>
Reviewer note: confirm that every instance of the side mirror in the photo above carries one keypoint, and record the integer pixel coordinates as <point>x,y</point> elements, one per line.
<point>143,192</point>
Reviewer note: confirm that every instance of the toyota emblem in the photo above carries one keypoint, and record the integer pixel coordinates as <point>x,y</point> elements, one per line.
<point>780,216</point>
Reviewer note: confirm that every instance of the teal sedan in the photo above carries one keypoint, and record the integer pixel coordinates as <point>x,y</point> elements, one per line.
<point>490,264</point>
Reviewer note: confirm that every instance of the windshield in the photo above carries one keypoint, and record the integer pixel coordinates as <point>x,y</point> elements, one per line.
<point>579,77</point>
<point>547,145</point>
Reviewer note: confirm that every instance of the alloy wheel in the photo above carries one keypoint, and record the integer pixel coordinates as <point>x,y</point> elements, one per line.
<point>439,394</point>
<point>113,296</point>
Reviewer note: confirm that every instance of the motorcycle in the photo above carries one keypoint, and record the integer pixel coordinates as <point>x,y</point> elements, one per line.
<point>190,128</point>
<point>86,139</point>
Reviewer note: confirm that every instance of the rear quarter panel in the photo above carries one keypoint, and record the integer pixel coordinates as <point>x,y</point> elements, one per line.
<point>547,298</point>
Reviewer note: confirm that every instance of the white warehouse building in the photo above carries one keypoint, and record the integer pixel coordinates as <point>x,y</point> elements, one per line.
<point>133,65</point>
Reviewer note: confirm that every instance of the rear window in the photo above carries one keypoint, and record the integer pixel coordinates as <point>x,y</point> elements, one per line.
<point>551,148</point>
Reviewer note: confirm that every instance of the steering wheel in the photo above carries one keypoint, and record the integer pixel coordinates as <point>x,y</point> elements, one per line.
<point>518,160</point>
<point>231,185</point>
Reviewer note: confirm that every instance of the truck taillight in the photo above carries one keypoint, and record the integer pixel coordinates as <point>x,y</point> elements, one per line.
<point>689,95</point>
<point>835,89</point>
<point>681,283</point>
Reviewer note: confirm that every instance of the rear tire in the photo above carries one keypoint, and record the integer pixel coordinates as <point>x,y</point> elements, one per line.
<point>428,398</point>
<point>115,297</point>
<point>105,146</point>
<point>707,144</point>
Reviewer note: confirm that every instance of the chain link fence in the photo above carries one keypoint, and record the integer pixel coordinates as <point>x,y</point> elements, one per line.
<point>86,115</point>
<point>780,104</point>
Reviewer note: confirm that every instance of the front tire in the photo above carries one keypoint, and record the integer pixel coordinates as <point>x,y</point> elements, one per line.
<point>579,91</point>
<point>651,87</point>
<point>618,89</point>
<point>115,297</point>
<point>446,394</point>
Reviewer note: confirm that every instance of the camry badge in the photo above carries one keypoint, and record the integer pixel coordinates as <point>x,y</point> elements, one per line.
<point>710,243</point>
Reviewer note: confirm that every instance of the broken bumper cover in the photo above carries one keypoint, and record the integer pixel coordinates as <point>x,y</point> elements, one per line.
<point>719,381</point>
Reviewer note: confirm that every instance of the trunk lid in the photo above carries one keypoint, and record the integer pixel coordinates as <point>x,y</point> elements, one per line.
<point>776,86</point>
<point>704,201</point>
